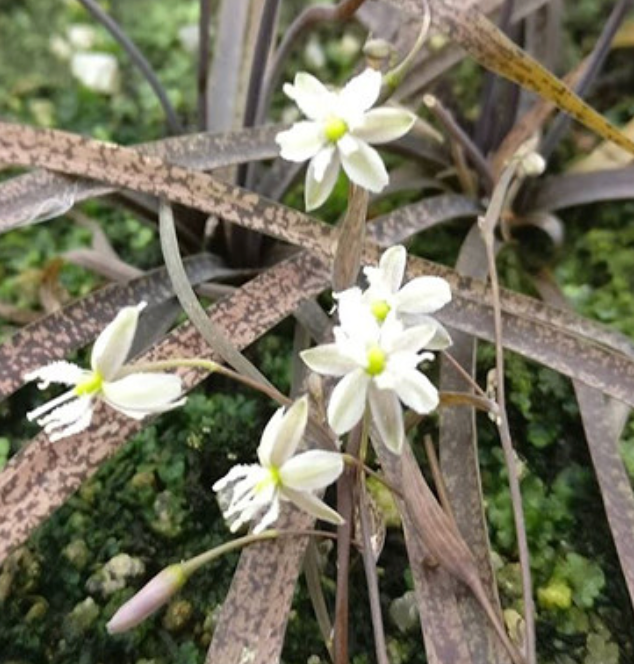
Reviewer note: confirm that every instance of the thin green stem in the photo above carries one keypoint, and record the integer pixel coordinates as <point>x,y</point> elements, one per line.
<point>194,564</point>
<point>393,78</point>
<point>316,428</point>
<point>213,367</point>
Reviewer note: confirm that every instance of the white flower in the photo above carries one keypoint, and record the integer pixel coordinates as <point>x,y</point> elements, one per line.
<point>378,363</point>
<point>385,297</point>
<point>245,491</point>
<point>134,394</point>
<point>338,132</point>
<point>98,72</point>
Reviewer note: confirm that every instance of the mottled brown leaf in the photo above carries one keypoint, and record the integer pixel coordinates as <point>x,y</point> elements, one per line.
<point>568,343</point>
<point>31,196</point>
<point>458,451</point>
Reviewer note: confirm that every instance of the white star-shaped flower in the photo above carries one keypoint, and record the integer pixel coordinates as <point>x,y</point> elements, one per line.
<point>247,490</point>
<point>339,131</point>
<point>134,394</point>
<point>385,296</point>
<point>378,364</point>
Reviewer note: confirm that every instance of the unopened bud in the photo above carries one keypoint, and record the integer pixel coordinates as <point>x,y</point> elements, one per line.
<point>154,594</point>
<point>533,165</point>
<point>377,51</point>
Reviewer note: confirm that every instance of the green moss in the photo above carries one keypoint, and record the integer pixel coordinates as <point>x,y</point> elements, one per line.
<point>169,515</point>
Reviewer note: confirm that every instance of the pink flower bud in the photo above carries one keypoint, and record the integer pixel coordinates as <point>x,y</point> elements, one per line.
<point>154,594</point>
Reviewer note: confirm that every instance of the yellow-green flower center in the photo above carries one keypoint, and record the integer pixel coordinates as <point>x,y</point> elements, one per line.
<point>376,361</point>
<point>335,129</point>
<point>90,385</point>
<point>380,309</point>
<point>273,477</point>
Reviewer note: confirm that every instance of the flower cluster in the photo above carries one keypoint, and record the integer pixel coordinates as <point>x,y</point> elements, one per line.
<point>136,395</point>
<point>385,332</point>
<point>339,131</point>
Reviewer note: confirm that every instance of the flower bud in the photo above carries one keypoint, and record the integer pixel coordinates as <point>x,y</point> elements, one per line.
<point>532,165</point>
<point>149,599</point>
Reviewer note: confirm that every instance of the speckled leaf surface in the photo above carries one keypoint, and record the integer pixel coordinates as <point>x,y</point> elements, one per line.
<point>567,343</point>
<point>28,197</point>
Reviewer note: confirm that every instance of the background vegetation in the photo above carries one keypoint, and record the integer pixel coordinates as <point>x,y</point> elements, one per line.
<point>152,504</point>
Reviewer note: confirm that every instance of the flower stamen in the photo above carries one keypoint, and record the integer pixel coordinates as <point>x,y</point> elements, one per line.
<point>91,385</point>
<point>274,476</point>
<point>335,129</point>
<point>380,309</point>
<point>376,360</point>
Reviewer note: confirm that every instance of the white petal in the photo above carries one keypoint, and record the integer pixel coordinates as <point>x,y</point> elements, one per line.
<point>383,125</point>
<point>311,470</point>
<point>240,496</point>
<point>441,338</point>
<point>328,360</point>
<point>365,167</point>
<point>269,436</point>
<point>322,161</point>
<point>362,91</point>
<point>65,373</point>
<point>423,295</point>
<point>415,390</point>
<point>113,344</point>
<point>347,145</point>
<point>353,344</point>
<point>141,394</point>
<point>349,302</point>
<point>347,401</point>
<point>251,507</point>
<point>387,416</point>
<point>410,340</point>
<point>356,317</point>
<point>301,142</point>
<point>83,414</point>
<point>270,517</point>
<point>313,506</point>
<point>236,473</point>
<point>317,189</point>
<point>97,71</point>
<point>311,95</point>
<point>392,267</point>
<point>289,434</point>
<point>253,493</point>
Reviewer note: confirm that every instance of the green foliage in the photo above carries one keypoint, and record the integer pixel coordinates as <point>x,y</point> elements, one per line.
<point>598,273</point>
